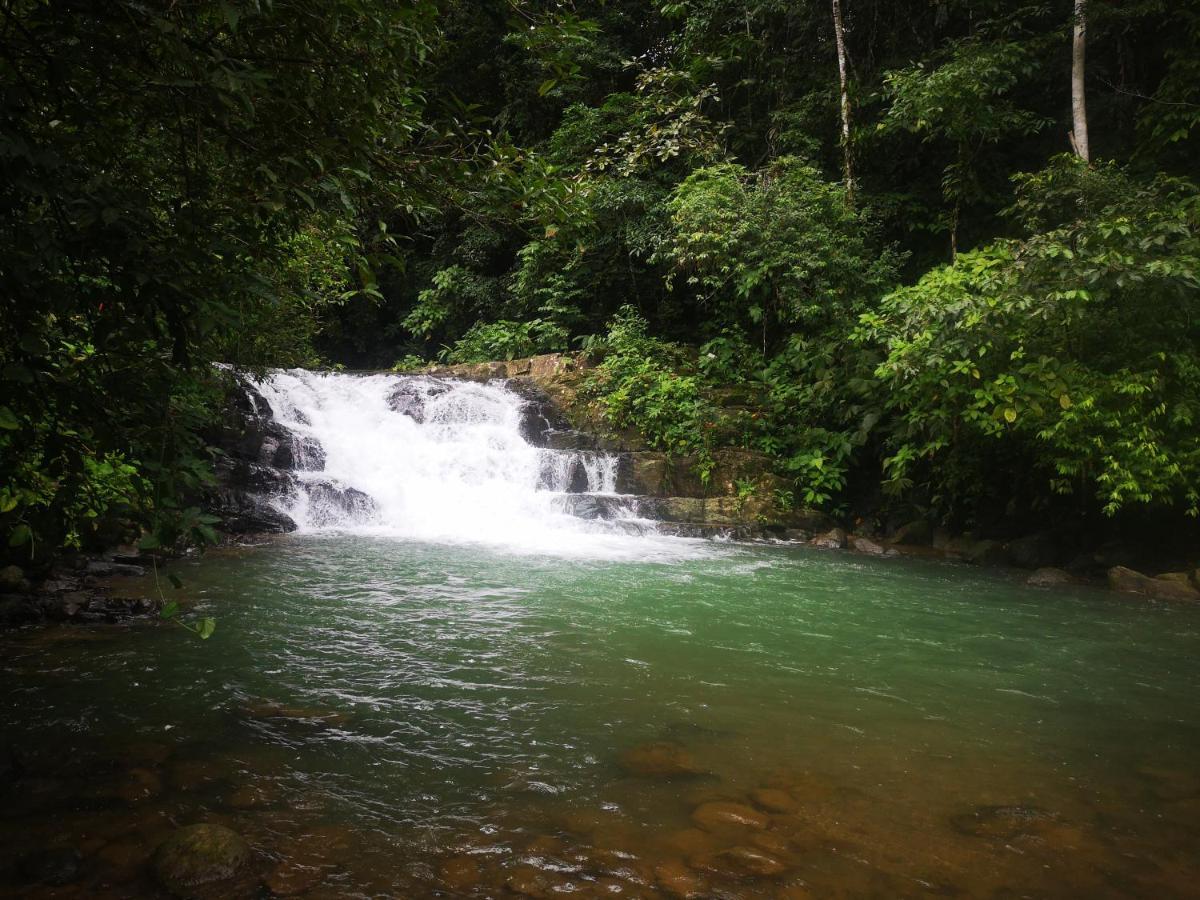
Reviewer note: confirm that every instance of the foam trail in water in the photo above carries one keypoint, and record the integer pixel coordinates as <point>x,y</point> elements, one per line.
<point>445,460</point>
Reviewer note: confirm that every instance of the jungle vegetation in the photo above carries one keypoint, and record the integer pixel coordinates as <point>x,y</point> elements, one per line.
<point>946,251</point>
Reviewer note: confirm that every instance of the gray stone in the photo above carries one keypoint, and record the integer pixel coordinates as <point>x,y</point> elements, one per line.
<point>1049,577</point>
<point>866,545</point>
<point>1034,551</point>
<point>833,539</point>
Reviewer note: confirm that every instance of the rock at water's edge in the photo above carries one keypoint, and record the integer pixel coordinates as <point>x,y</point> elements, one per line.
<point>199,855</point>
<point>1127,580</point>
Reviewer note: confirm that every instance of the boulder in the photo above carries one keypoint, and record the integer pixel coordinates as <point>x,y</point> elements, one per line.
<point>866,545</point>
<point>918,533</point>
<point>986,553</point>
<point>1034,551</point>
<point>774,800</point>
<point>1048,576</point>
<point>642,473</point>
<point>660,759</point>
<point>833,539</point>
<point>12,580</point>
<point>199,855</point>
<point>1127,580</point>
<point>51,867</point>
<point>243,513</point>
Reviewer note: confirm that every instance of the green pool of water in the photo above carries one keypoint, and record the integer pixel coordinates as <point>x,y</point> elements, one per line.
<point>407,719</point>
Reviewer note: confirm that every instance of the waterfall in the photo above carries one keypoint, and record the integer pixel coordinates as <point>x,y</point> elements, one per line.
<point>444,460</point>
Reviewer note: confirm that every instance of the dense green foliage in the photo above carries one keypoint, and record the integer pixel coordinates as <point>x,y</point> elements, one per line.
<point>981,324</point>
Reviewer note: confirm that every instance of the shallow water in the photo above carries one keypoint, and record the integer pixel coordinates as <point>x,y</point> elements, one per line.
<point>384,718</point>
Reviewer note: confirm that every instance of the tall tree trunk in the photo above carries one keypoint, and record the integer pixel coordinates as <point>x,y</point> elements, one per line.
<point>1079,125</point>
<point>839,32</point>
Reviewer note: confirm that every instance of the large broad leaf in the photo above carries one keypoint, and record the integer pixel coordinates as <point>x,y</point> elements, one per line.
<point>20,535</point>
<point>206,628</point>
<point>8,420</point>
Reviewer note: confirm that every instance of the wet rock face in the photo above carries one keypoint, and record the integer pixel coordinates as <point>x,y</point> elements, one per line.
<point>333,504</point>
<point>199,855</point>
<point>411,395</point>
<point>1127,580</point>
<point>260,457</point>
<point>542,422</point>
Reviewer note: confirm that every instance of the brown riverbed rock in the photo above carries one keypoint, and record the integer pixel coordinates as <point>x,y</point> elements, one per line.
<point>774,800</point>
<point>677,880</point>
<point>661,759</point>
<point>139,784</point>
<point>199,855</point>
<point>718,815</point>
<point>289,878</point>
<point>459,873</point>
<point>741,862</point>
<point>1003,822</point>
<point>194,775</point>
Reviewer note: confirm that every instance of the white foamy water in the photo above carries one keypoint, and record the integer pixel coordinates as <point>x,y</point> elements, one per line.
<point>445,461</point>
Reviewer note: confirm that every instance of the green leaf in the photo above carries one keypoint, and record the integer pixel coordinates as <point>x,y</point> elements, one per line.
<point>1010,415</point>
<point>8,421</point>
<point>20,535</point>
<point>206,628</point>
<point>546,86</point>
<point>170,610</point>
<point>175,580</point>
<point>149,542</point>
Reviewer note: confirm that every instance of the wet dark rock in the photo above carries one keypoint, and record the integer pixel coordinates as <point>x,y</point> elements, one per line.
<point>300,453</point>
<point>833,539</point>
<point>592,506</point>
<point>411,394</point>
<point>986,553</point>
<point>13,580</point>
<point>331,504</point>
<point>1003,822</point>
<point>108,569</point>
<point>1034,551</point>
<point>199,855</point>
<point>578,482</point>
<point>661,759</point>
<point>52,867</point>
<point>242,513</point>
<point>564,440</point>
<point>918,533</point>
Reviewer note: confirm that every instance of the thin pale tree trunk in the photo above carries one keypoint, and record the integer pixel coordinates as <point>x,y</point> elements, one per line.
<point>839,32</point>
<point>1079,125</point>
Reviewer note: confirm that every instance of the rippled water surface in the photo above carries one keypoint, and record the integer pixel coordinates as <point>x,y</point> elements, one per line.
<point>399,719</point>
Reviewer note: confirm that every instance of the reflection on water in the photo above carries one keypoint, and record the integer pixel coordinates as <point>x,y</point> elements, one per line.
<point>397,719</point>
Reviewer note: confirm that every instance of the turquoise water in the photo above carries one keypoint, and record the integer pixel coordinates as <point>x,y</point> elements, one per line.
<point>403,719</point>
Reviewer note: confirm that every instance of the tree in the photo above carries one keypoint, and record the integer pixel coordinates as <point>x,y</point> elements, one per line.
<point>1079,128</point>
<point>839,32</point>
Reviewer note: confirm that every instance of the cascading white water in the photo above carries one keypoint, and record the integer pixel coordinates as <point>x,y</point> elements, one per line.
<point>443,460</point>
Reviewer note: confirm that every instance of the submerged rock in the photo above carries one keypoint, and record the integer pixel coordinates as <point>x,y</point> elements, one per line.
<point>52,867</point>
<point>1002,822</point>
<point>199,855</point>
<point>741,862</point>
<point>722,814</point>
<point>774,800</point>
<point>661,759</point>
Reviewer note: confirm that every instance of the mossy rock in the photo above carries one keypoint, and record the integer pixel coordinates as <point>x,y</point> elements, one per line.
<point>199,855</point>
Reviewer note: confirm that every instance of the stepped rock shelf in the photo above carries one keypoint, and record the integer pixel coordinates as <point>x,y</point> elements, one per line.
<point>515,426</point>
